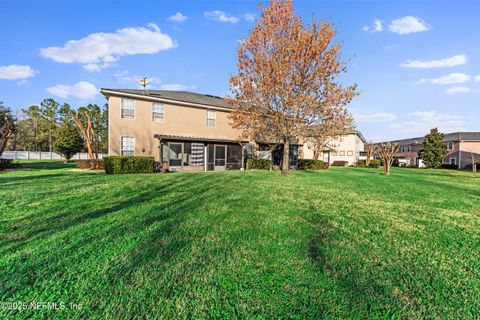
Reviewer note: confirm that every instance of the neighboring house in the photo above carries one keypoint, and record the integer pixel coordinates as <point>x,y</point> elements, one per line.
<point>460,147</point>
<point>349,147</point>
<point>192,132</point>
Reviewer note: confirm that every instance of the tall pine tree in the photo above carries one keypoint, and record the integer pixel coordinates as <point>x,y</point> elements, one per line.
<point>433,149</point>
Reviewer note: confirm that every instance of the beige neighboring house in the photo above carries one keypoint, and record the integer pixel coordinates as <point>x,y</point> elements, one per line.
<point>349,147</point>
<point>191,132</point>
<point>460,146</point>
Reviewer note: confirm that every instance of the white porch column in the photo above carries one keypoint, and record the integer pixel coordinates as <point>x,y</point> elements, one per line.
<point>205,155</point>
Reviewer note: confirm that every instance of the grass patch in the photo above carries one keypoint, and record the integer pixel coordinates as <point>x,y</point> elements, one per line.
<point>342,243</point>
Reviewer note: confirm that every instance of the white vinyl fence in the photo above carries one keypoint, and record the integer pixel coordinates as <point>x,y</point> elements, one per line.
<point>32,155</point>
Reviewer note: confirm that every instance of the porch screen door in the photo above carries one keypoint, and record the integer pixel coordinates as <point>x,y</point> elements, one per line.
<point>220,157</point>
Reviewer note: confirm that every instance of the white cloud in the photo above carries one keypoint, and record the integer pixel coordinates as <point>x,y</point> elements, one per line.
<point>92,67</point>
<point>98,50</point>
<point>423,121</point>
<point>177,17</point>
<point>458,89</point>
<point>375,117</point>
<point>220,16</point>
<point>408,25</point>
<point>173,86</point>
<point>16,72</point>
<point>448,79</point>
<point>441,63</point>
<point>477,78</point>
<point>249,16</point>
<point>82,90</point>
<point>377,26</point>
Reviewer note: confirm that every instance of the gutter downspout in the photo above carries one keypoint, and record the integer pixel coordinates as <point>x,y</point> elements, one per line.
<point>459,153</point>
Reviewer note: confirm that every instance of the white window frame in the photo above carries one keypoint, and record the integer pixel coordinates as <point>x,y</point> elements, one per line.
<point>341,153</point>
<point>406,148</point>
<point>121,145</point>
<point>160,105</point>
<point>448,144</point>
<point>122,108</point>
<point>214,118</point>
<point>454,161</point>
<point>349,153</point>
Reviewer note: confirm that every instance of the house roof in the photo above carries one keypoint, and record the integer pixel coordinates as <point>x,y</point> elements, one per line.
<point>193,138</point>
<point>360,135</point>
<point>180,96</point>
<point>348,132</point>
<point>454,136</point>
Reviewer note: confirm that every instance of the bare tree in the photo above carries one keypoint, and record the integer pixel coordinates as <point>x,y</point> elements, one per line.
<point>370,151</point>
<point>288,79</point>
<point>84,123</point>
<point>387,151</point>
<point>7,126</point>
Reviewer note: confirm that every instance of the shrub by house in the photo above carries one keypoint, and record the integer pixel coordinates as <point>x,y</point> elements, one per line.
<point>128,164</point>
<point>259,164</point>
<point>308,164</point>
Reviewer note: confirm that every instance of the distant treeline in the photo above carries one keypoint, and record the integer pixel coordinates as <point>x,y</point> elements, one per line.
<point>36,127</point>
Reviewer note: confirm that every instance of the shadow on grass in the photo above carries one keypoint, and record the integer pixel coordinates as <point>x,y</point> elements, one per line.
<point>159,226</point>
<point>28,227</point>
<point>364,293</point>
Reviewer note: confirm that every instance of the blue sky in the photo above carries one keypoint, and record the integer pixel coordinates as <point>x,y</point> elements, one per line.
<point>417,63</point>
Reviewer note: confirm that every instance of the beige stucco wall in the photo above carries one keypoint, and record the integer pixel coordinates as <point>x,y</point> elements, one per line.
<point>467,148</point>
<point>346,143</point>
<point>179,120</point>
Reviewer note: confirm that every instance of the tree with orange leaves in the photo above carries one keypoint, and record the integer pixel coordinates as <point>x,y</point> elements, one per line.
<point>286,87</point>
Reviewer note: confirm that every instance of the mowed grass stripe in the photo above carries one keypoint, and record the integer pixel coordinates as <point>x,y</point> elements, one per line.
<point>343,243</point>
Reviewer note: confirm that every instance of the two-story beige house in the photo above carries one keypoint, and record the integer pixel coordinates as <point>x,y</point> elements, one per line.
<point>347,148</point>
<point>191,132</point>
<point>188,131</point>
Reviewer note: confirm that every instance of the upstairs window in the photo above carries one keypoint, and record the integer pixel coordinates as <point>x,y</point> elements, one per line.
<point>211,118</point>
<point>128,108</point>
<point>127,146</point>
<point>349,153</point>
<point>158,112</point>
<point>405,148</point>
<point>449,146</point>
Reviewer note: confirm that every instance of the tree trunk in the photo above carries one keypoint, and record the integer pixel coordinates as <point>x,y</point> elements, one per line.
<point>50,141</point>
<point>95,144</point>
<point>286,158</point>
<point>386,168</point>
<point>367,160</point>
<point>474,164</point>
<point>316,153</point>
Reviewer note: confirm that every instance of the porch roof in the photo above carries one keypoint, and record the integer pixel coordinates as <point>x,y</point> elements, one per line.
<point>197,139</point>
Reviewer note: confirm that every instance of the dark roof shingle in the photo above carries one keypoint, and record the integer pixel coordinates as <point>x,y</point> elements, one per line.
<point>454,136</point>
<point>181,96</point>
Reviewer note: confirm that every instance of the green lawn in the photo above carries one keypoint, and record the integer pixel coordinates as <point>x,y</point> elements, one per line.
<point>343,243</point>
